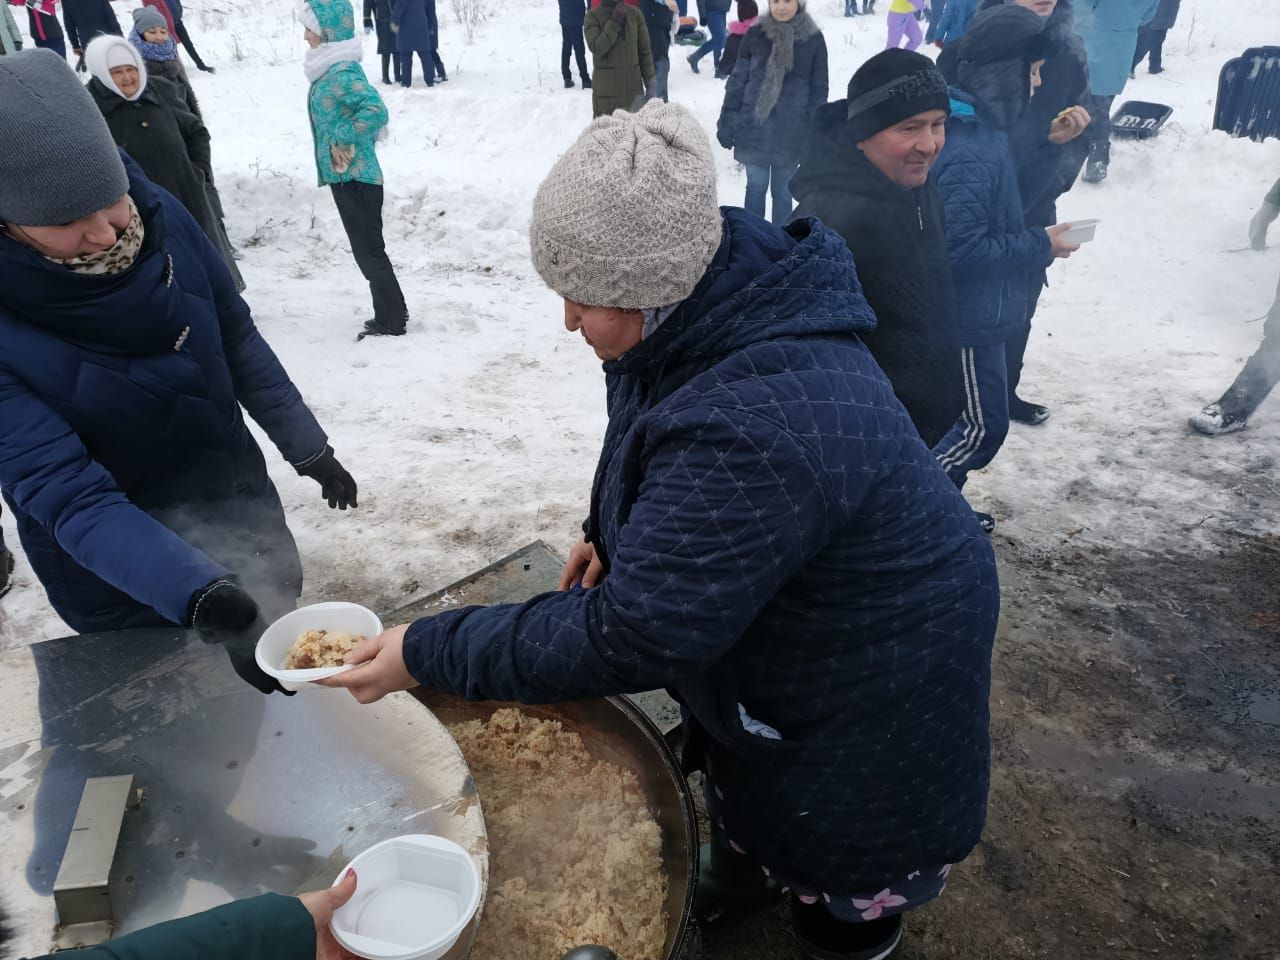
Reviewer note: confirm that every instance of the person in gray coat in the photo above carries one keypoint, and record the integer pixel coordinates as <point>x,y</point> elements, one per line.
<point>1151,36</point>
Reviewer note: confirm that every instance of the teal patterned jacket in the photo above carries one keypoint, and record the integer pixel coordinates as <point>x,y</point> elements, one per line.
<point>345,109</point>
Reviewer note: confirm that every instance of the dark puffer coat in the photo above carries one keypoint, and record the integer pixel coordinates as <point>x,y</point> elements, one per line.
<point>621,60</point>
<point>1166,15</point>
<point>780,543</point>
<point>900,251</point>
<point>413,31</point>
<point>782,138</point>
<point>991,248</point>
<point>124,454</point>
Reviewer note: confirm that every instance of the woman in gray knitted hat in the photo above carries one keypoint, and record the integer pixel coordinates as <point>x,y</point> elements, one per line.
<point>127,360</point>
<point>768,537</point>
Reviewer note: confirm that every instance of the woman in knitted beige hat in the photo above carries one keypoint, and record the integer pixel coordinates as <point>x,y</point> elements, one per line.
<point>768,538</point>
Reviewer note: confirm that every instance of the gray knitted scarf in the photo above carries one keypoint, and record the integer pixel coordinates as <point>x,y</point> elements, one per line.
<point>783,37</point>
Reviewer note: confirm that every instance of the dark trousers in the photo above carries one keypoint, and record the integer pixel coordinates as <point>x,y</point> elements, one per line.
<point>57,44</point>
<point>1015,348</point>
<point>184,38</point>
<point>1098,132</point>
<point>572,41</point>
<point>1261,371</point>
<point>430,65</point>
<point>360,207</point>
<point>390,68</point>
<point>981,430</point>
<point>1151,42</point>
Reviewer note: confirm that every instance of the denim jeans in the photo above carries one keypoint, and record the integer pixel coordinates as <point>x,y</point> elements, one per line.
<point>717,23</point>
<point>661,70</point>
<point>775,180</point>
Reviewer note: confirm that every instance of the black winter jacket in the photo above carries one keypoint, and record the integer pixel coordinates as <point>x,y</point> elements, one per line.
<point>782,138</point>
<point>900,251</point>
<point>657,17</point>
<point>87,19</point>
<point>573,13</point>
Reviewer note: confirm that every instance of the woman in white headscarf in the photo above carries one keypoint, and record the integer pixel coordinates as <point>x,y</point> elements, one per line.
<point>149,120</point>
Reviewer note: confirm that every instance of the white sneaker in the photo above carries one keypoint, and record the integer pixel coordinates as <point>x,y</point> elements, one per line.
<point>1211,421</point>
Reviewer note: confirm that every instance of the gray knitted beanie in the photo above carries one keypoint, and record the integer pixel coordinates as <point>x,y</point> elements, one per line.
<point>59,162</point>
<point>148,18</point>
<point>628,217</point>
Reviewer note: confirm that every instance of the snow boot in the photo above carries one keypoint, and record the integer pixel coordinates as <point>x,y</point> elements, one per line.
<point>568,83</point>
<point>1095,171</point>
<point>1213,421</point>
<point>1024,412</point>
<point>6,570</point>
<point>693,62</point>
<point>372,328</point>
<point>728,883</point>
<point>820,936</point>
<point>586,83</point>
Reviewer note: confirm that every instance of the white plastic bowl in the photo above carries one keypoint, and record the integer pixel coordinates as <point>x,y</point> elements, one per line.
<point>280,636</point>
<point>414,897</point>
<point>1081,231</point>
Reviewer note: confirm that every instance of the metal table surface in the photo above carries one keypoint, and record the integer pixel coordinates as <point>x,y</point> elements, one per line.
<point>245,793</point>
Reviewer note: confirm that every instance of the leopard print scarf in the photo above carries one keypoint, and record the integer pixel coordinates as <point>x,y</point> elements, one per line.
<point>115,259</point>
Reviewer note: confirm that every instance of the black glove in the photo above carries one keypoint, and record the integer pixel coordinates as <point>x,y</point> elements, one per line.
<point>338,486</point>
<point>226,615</point>
<point>725,136</point>
<point>221,607</point>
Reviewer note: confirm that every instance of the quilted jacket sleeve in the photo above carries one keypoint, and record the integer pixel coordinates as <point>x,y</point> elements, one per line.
<point>269,927</point>
<point>51,477</point>
<point>730,508</point>
<point>262,386</point>
<point>967,183</point>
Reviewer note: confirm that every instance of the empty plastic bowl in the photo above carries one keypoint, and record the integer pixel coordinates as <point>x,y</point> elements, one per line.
<point>414,897</point>
<point>280,636</point>
<point>1081,231</point>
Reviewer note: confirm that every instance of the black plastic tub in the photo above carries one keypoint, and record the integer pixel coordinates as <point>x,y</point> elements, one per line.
<point>1139,119</point>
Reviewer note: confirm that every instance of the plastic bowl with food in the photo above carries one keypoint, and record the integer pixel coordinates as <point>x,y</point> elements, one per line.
<point>415,895</point>
<point>336,618</point>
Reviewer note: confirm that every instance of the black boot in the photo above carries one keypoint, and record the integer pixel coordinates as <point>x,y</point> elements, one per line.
<point>820,936</point>
<point>1024,412</point>
<point>729,883</point>
<point>568,83</point>
<point>586,83</point>
<point>6,570</point>
<point>372,328</point>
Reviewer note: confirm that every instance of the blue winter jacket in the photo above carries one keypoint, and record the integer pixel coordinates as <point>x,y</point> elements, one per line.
<point>780,546</point>
<point>950,25</point>
<point>990,246</point>
<point>1109,29</point>
<point>413,32</point>
<point>132,476</point>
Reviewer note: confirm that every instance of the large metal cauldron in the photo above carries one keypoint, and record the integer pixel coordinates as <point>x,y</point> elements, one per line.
<point>616,730</point>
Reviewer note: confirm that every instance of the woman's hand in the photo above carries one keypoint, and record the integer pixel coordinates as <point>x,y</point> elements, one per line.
<point>583,569</point>
<point>380,669</point>
<point>321,906</point>
<point>1069,124</point>
<point>341,157</point>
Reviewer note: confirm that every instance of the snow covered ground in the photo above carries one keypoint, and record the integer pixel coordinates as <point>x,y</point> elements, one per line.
<point>478,432</point>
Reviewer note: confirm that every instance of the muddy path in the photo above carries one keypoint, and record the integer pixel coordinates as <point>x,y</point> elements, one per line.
<point>1135,801</point>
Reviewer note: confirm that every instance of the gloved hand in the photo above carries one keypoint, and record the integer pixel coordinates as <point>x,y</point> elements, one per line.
<point>620,12</point>
<point>226,615</point>
<point>725,136</point>
<point>338,486</point>
<point>1263,219</point>
<point>221,607</point>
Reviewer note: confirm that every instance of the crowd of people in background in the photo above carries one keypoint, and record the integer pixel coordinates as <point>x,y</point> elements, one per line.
<point>825,378</point>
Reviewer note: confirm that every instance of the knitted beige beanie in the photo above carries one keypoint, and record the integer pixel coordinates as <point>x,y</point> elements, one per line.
<point>628,217</point>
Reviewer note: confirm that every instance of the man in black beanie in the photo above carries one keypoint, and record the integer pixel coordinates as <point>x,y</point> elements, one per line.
<point>867,177</point>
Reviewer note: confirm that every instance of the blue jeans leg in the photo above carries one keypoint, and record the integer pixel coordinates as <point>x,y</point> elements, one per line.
<point>978,435</point>
<point>780,189</point>
<point>757,188</point>
<point>662,70</point>
<point>717,24</point>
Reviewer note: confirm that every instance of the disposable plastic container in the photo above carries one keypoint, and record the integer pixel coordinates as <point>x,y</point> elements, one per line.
<point>414,897</point>
<point>1081,231</point>
<point>1139,119</point>
<point>280,636</point>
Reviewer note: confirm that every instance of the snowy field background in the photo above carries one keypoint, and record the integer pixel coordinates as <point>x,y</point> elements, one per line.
<point>478,432</point>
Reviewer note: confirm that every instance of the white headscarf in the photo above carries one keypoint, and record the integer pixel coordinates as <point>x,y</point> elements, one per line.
<point>317,60</point>
<point>109,51</point>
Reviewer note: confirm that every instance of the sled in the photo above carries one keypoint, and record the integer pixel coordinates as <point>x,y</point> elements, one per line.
<point>1249,95</point>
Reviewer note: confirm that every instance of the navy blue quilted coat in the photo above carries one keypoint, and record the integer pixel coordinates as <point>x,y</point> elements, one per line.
<point>780,543</point>
<point>990,247</point>
<point>123,452</point>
